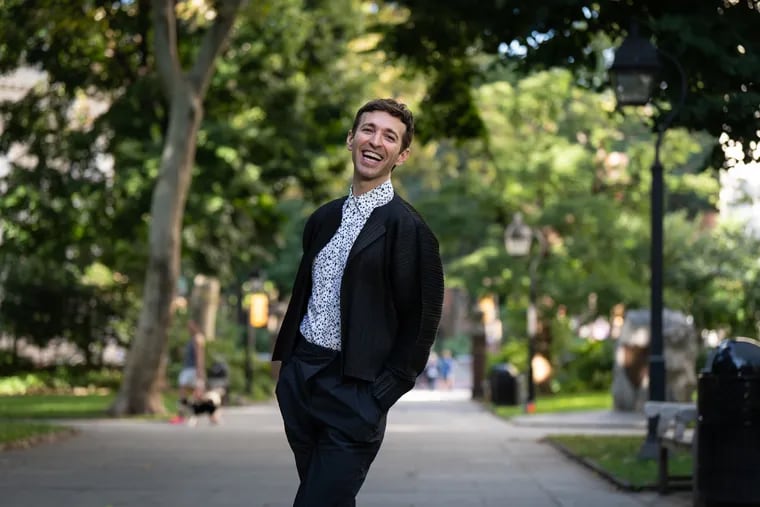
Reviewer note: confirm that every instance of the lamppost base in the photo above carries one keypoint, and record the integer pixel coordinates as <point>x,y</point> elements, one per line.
<point>650,449</point>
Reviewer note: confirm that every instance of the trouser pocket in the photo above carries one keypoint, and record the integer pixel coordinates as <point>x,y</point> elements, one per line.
<point>351,408</point>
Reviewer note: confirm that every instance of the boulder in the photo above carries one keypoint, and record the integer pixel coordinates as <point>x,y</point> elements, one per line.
<point>630,375</point>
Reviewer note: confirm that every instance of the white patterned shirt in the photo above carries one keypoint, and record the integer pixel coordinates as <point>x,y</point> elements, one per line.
<point>321,324</point>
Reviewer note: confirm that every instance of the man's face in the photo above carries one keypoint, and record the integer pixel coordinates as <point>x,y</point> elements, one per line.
<point>375,148</point>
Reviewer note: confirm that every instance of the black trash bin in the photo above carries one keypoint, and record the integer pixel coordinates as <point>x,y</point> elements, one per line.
<point>727,467</point>
<point>504,382</point>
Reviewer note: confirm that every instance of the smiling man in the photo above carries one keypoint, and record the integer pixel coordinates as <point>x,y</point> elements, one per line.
<point>362,318</point>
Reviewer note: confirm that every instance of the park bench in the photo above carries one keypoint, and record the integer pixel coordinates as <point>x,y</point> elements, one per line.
<point>673,434</point>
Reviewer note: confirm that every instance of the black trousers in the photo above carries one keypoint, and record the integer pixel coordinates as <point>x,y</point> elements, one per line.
<point>333,426</point>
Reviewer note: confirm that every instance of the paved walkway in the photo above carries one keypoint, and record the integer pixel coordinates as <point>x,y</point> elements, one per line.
<point>441,450</point>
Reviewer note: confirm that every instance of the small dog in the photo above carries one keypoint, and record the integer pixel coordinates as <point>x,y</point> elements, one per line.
<point>208,404</point>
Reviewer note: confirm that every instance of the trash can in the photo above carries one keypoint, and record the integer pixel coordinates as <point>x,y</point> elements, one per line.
<point>727,465</point>
<point>504,382</point>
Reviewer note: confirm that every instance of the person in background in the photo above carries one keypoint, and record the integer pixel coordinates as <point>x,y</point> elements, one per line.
<point>192,376</point>
<point>432,371</point>
<point>446,369</point>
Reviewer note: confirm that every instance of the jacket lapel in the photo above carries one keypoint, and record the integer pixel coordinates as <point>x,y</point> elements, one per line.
<point>373,229</point>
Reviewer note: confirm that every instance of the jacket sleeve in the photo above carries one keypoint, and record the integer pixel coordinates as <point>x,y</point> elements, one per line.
<point>417,289</point>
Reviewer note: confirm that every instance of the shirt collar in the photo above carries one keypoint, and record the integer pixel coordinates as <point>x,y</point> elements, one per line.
<point>368,201</point>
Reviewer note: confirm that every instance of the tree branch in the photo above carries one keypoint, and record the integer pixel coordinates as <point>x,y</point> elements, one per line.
<point>165,44</point>
<point>200,75</point>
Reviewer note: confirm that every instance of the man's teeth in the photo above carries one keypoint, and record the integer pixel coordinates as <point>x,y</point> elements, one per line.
<point>373,156</point>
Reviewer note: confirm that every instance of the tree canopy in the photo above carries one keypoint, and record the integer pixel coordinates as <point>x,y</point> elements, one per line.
<point>715,42</point>
<point>94,130</point>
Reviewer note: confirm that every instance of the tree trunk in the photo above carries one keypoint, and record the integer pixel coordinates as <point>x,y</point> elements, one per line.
<point>144,371</point>
<point>204,303</point>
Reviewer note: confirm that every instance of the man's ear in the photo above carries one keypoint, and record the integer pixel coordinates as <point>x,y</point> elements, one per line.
<point>349,139</point>
<point>403,156</point>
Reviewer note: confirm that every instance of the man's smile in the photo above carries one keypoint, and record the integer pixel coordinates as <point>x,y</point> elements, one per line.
<point>371,155</point>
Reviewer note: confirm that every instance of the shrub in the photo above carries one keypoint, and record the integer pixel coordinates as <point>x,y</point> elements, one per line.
<point>60,379</point>
<point>21,384</point>
<point>585,366</point>
<point>514,352</point>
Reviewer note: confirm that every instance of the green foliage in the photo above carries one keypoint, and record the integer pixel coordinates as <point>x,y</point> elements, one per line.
<point>514,352</point>
<point>582,176</point>
<point>11,363</point>
<point>61,379</point>
<point>42,302</point>
<point>275,115</point>
<point>713,275</point>
<point>20,384</point>
<point>713,41</point>
<point>281,270</point>
<point>586,365</point>
<point>256,148</point>
<point>583,366</point>
<point>102,378</point>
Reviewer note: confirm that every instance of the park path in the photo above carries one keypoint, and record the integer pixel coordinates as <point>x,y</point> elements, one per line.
<point>441,450</point>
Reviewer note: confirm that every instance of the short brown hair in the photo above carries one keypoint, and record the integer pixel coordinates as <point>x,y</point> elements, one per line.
<point>395,109</point>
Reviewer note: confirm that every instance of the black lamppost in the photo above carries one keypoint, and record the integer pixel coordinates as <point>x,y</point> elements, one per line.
<point>633,75</point>
<point>518,238</point>
<point>253,283</point>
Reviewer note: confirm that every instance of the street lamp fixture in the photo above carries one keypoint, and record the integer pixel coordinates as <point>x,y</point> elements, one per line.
<point>518,238</point>
<point>250,290</point>
<point>633,72</point>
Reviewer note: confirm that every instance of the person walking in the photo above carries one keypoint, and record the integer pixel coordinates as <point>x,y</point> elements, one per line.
<point>362,317</point>
<point>446,369</point>
<point>192,376</point>
<point>432,370</point>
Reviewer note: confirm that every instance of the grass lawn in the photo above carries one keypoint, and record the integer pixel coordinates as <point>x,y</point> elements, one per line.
<point>15,432</point>
<point>52,406</point>
<point>616,455</point>
<point>562,403</point>
<point>64,406</point>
